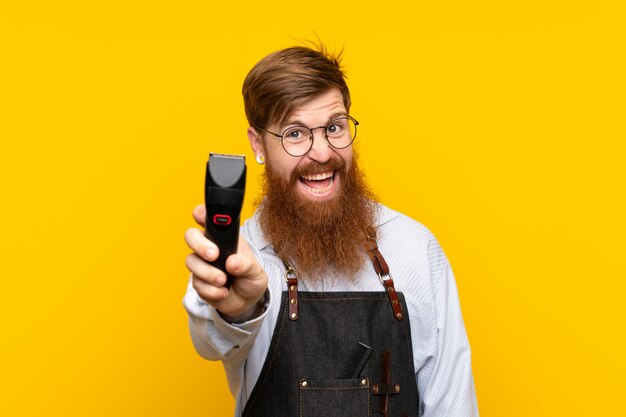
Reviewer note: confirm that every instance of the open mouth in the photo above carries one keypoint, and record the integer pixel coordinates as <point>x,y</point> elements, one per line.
<point>318,183</point>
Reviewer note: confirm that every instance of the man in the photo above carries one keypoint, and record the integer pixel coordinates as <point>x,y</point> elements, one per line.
<point>313,323</point>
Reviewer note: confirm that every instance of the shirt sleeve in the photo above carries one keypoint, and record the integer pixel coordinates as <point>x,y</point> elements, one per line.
<point>216,339</point>
<point>213,337</point>
<point>450,390</point>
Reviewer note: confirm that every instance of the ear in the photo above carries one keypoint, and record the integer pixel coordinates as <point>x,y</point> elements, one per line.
<point>255,141</point>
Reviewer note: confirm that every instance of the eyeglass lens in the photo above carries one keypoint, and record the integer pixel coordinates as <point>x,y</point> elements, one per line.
<point>297,140</point>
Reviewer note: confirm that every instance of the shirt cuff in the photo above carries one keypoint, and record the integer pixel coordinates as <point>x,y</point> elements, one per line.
<point>238,333</point>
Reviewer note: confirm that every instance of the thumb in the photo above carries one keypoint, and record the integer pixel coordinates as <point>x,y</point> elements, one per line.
<point>199,214</point>
<point>244,265</point>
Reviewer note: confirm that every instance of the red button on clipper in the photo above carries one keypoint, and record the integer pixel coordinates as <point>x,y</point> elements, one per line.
<point>222,219</point>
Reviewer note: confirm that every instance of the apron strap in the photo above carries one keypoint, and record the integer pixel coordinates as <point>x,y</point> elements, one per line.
<point>382,269</point>
<point>292,287</point>
<point>380,265</point>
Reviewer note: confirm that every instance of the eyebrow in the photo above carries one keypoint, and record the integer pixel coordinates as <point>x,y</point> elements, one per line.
<point>330,118</point>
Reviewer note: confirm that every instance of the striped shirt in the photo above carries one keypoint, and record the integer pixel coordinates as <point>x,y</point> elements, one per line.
<point>420,269</point>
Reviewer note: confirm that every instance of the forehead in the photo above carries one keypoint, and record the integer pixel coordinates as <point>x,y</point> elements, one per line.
<point>319,109</point>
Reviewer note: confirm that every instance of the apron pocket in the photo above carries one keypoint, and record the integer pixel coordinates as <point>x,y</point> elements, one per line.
<point>339,397</point>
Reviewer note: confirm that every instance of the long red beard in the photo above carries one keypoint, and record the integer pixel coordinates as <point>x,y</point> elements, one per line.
<point>319,238</point>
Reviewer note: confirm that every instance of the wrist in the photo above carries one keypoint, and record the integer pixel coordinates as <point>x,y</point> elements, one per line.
<point>253,311</point>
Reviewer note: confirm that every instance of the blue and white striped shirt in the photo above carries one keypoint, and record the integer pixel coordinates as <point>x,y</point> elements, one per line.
<point>420,270</point>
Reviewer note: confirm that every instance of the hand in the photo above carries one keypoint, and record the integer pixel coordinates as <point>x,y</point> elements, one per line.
<point>249,283</point>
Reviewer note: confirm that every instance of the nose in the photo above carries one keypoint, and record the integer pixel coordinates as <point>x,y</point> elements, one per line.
<point>321,149</point>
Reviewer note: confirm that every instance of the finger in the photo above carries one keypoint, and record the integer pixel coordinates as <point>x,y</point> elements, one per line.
<point>209,293</point>
<point>199,214</point>
<point>202,246</point>
<point>203,271</point>
<point>243,265</point>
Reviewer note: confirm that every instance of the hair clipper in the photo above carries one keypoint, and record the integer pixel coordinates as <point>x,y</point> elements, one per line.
<point>223,196</point>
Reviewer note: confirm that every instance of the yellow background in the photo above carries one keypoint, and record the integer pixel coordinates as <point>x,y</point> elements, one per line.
<point>498,124</point>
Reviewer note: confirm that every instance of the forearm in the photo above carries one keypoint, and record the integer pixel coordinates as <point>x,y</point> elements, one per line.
<point>215,338</point>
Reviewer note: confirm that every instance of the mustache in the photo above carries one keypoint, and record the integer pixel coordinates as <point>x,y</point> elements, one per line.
<point>314,167</point>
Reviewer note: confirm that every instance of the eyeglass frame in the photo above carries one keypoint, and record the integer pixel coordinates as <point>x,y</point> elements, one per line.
<point>312,137</point>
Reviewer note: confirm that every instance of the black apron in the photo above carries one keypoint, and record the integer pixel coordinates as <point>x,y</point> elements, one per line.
<point>338,354</point>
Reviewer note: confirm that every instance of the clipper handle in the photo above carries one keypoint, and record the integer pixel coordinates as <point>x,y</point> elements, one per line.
<point>224,192</point>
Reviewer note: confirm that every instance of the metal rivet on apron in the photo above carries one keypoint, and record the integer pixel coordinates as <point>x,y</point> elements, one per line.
<point>390,289</point>
<point>397,388</point>
<point>292,301</point>
<point>304,383</point>
<point>293,315</point>
<point>292,288</point>
<point>375,389</point>
<point>399,315</point>
<point>395,301</point>
<point>364,382</point>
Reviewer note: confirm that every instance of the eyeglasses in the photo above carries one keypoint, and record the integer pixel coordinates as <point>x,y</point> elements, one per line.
<point>298,140</point>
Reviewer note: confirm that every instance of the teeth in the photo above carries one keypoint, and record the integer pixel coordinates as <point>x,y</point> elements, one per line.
<point>318,177</point>
<point>319,190</point>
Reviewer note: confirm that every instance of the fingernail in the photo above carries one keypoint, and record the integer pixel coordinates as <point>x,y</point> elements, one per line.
<point>235,263</point>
